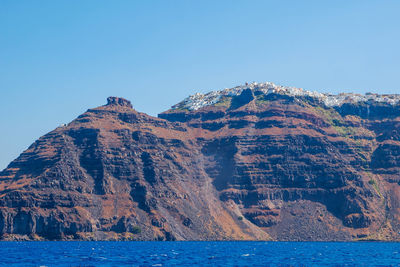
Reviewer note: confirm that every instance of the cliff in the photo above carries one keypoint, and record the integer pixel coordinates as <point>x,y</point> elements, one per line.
<point>255,162</point>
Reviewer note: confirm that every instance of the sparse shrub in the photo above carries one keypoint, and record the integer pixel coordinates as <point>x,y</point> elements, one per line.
<point>136,230</point>
<point>240,218</point>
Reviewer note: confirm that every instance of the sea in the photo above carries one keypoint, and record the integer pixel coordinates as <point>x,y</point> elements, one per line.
<point>187,253</point>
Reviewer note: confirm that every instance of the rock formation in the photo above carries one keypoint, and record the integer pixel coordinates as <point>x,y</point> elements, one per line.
<point>255,162</point>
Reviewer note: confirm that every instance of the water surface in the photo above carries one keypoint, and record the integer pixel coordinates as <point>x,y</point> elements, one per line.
<point>199,253</point>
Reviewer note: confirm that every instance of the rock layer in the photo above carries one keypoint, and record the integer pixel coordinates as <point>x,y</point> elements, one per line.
<point>248,166</point>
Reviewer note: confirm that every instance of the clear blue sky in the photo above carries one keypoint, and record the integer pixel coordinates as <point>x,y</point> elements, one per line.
<point>59,58</point>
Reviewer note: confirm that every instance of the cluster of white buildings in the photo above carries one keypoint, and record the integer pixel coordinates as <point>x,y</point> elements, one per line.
<point>198,100</point>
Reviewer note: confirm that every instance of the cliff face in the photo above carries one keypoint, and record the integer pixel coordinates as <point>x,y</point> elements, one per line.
<point>252,165</point>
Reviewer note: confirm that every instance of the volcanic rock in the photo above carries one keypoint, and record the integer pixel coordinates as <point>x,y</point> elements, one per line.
<point>254,162</point>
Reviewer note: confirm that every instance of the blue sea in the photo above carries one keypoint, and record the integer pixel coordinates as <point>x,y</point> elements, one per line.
<point>199,254</point>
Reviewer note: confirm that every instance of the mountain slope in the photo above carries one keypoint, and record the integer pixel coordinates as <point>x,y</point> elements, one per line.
<point>253,162</point>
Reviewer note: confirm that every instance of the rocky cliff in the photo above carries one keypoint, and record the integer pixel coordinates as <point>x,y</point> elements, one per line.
<point>255,162</point>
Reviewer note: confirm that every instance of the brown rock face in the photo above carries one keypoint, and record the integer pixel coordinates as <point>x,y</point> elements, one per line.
<point>118,101</point>
<point>253,166</point>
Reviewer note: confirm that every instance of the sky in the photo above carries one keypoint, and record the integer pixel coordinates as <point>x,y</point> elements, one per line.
<point>59,58</point>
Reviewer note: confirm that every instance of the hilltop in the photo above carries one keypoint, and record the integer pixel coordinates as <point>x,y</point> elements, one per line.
<point>198,100</point>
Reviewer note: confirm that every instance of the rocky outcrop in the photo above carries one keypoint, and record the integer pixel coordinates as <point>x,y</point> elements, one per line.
<point>118,101</point>
<point>251,163</point>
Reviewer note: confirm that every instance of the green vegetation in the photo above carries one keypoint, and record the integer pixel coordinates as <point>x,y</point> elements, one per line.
<point>331,115</point>
<point>181,108</point>
<point>224,101</point>
<point>240,218</point>
<point>136,230</point>
<point>260,99</point>
<point>374,184</point>
<point>338,123</point>
<point>345,131</point>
